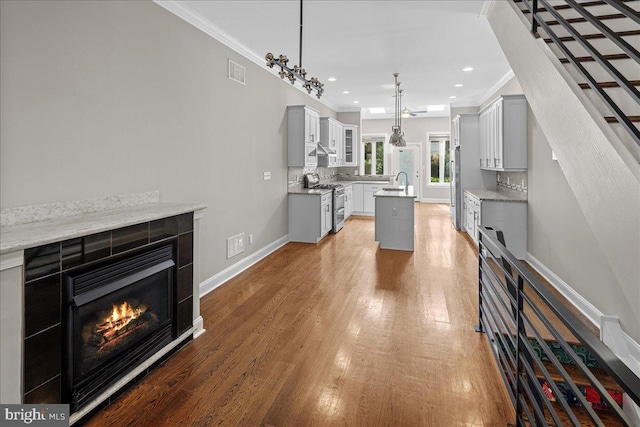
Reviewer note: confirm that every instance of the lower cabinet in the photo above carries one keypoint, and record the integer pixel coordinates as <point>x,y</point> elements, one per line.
<point>368,201</point>
<point>310,217</point>
<point>509,217</point>
<point>357,198</point>
<point>348,201</point>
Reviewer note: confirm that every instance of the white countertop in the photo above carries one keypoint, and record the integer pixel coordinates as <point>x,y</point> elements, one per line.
<point>402,194</point>
<point>23,236</point>
<point>499,195</point>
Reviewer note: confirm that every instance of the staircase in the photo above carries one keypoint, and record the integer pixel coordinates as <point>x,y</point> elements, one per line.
<point>598,41</point>
<point>556,370</point>
<point>594,141</point>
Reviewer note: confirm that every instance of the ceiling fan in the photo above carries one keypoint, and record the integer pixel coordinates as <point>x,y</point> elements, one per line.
<point>406,112</point>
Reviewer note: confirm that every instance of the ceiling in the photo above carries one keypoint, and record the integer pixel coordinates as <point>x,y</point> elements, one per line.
<point>362,43</point>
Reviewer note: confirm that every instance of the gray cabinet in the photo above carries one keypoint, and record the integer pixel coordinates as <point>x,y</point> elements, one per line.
<point>310,217</point>
<point>303,127</point>
<point>503,134</point>
<point>510,217</point>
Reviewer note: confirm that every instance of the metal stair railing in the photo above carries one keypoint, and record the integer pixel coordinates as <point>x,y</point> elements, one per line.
<point>630,51</point>
<point>515,309</point>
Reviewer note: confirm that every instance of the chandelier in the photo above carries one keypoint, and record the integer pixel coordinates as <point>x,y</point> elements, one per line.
<point>297,72</point>
<point>397,137</point>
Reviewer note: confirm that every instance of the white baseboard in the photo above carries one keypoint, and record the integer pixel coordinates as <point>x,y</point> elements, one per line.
<point>431,200</point>
<point>198,327</point>
<point>237,268</point>
<point>584,306</point>
<point>625,347</point>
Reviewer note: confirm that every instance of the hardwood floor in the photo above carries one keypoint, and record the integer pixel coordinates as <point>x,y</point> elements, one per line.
<point>339,333</point>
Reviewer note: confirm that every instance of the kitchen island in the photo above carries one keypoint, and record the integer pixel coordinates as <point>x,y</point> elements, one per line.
<point>394,218</point>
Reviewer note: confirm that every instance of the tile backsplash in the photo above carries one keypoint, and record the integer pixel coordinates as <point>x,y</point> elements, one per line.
<point>513,180</point>
<point>295,175</point>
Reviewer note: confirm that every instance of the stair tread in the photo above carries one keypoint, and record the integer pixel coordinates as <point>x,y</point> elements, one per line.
<point>577,376</point>
<point>566,6</point>
<point>608,418</point>
<point>633,119</point>
<point>608,84</point>
<point>608,57</point>
<point>597,36</point>
<point>580,20</point>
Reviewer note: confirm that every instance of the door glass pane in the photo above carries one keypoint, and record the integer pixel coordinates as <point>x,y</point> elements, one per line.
<point>435,161</point>
<point>406,165</point>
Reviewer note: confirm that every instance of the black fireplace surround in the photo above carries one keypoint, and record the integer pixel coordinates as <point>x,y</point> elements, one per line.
<point>98,306</point>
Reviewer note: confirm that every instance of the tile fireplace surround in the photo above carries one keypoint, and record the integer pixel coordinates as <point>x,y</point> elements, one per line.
<point>25,228</point>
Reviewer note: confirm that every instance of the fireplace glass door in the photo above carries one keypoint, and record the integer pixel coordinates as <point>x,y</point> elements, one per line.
<point>118,315</point>
<point>114,323</point>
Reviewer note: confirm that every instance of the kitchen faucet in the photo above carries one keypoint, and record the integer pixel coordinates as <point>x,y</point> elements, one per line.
<point>406,180</point>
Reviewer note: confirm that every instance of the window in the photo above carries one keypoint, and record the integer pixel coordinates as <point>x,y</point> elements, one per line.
<point>374,156</point>
<point>439,159</point>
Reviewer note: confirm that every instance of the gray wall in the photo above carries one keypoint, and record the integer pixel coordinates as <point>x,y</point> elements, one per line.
<point>559,236</point>
<point>415,131</point>
<point>103,98</point>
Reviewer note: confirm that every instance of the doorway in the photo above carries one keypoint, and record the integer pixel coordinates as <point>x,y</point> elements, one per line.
<point>407,159</point>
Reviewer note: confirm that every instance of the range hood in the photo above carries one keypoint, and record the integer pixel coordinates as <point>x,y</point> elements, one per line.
<point>327,157</point>
<point>326,151</point>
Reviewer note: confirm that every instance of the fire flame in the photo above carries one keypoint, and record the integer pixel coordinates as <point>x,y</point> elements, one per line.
<point>120,317</point>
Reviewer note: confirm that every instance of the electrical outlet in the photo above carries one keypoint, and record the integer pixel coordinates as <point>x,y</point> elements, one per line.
<point>266,176</point>
<point>235,245</point>
<point>251,239</point>
<point>394,212</point>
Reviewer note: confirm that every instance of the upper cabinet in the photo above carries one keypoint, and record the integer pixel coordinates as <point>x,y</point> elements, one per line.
<point>503,134</point>
<point>303,128</point>
<point>348,156</point>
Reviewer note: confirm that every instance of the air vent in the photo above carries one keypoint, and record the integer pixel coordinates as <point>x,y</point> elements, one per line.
<point>237,72</point>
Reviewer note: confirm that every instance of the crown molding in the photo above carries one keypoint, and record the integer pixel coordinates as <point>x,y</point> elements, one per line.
<point>184,12</point>
<point>493,89</point>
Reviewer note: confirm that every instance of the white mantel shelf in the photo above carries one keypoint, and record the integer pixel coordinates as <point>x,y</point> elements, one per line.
<point>22,236</point>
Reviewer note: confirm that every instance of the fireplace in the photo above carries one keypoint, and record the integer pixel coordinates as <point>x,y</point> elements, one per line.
<point>115,316</point>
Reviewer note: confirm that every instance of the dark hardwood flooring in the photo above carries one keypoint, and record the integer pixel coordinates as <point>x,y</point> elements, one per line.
<point>339,333</point>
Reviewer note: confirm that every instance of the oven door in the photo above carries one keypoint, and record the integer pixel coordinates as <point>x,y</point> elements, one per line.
<point>338,210</point>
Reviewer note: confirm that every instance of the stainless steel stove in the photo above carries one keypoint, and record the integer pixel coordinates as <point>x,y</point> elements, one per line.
<point>312,180</point>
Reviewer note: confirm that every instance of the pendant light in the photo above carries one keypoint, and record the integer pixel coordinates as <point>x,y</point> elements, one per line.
<point>397,137</point>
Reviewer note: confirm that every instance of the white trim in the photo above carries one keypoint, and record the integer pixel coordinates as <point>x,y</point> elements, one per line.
<point>198,325</point>
<point>227,274</point>
<point>11,260</point>
<point>485,8</point>
<point>432,200</point>
<point>493,89</point>
<point>181,10</point>
<point>198,214</point>
<point>584,306</point>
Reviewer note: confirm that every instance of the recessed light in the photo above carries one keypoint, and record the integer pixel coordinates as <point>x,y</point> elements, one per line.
<point>346,92</point>
<point>356,102</point>
<point>435,107</point>
<point>467,69</point>
<point>459,85</point>
<point>331,79</point>
<point>377,110</point>
<point>452,97</point>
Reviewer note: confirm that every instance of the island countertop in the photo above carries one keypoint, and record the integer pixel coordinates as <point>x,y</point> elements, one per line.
<point>397,193</point>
